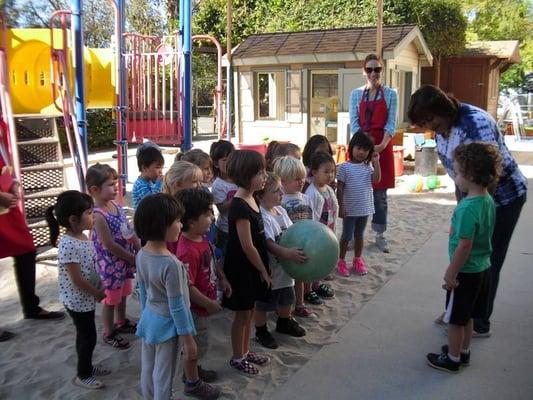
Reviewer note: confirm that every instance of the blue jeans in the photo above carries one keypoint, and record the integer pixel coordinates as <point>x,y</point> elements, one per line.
<point>379,219</point>
<point>506,219</point>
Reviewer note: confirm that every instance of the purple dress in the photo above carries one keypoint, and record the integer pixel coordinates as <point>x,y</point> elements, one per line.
<point>113,271</point>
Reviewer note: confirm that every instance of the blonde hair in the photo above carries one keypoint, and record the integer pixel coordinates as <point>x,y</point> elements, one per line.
<point>271,181</point>
<point>288,168</point>
<point>180,172</point>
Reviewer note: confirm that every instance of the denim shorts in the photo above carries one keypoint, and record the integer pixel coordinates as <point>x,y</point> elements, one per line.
<point>353,227</point>
<point>278,298</point>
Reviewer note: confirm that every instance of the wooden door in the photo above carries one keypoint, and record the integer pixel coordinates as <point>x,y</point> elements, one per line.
<point>467,83</point>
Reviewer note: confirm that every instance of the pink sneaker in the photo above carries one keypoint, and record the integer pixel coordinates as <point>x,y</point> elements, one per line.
<point>360,266</point>
<point>342,269</point>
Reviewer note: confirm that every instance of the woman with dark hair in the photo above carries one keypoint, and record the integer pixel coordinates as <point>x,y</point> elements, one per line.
<point>456,123</point>
<point>373,111</point>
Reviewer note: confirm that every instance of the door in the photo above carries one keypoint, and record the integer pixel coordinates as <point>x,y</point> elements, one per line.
<point>467,83</point>
<point>324,104</point>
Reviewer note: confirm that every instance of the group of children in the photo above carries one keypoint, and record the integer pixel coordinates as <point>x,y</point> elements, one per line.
<point>190,266</point>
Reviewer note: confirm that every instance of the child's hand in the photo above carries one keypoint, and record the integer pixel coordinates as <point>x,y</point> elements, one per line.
<point>213,307</point>
<point>100,296</point>
<point>375,157</point>
<point>296,255</point>
<point>226,288</point>
<point>266,278</point>
<point>451,281</point>
<point>342,212</point>
<point>190,350</point>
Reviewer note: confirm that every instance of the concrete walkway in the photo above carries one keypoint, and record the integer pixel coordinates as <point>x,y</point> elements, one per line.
<point>380,353</point>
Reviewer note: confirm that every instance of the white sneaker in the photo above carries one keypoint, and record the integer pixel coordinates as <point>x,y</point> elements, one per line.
<point>89,383</point>
<point>382,243</point>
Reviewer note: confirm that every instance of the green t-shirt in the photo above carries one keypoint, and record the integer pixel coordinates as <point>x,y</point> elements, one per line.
<point>474,219</point>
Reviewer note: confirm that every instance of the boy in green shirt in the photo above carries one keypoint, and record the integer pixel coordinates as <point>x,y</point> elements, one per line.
<point>477,167</point>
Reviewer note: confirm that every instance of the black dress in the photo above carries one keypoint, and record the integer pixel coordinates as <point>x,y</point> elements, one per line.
<point>245,280</point>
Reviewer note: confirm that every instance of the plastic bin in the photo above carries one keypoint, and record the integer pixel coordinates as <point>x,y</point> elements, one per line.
<point>259,147</point>
<point>398,160</point>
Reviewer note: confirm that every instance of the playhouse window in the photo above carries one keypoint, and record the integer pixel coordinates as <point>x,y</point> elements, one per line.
<point>270,96</point>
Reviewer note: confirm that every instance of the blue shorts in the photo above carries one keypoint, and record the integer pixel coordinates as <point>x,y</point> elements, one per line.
<point>353,227</point>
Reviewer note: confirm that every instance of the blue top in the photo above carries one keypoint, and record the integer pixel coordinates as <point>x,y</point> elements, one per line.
<point>142,188</point>
<point>476,125</point>
<point>391,98</point>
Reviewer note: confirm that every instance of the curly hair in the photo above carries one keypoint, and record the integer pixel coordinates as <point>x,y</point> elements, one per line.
<point>479,162</point>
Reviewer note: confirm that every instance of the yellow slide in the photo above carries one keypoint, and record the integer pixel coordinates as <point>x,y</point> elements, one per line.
<point>29,71</point>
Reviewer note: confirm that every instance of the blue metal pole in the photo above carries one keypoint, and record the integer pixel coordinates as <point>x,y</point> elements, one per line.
<point>81,113</point>
<point>122,140</point>
<point>186,41</point>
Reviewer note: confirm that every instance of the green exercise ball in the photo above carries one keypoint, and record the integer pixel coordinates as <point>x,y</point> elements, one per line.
<point>320,246</point>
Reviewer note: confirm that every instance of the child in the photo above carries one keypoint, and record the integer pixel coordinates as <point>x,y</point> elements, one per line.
<point>356,200</point>
<point>203,161</point>
<point>223,189</point>
<point>477,166</point>
<point>205,275</point>
<point>246,259</point>
<point>165,305</point>
<point>79,285</point>
<point>115,254</point>
<point>182,175</point>
<point>276,149</point>
<point>315,144</point>
<point>298,206</point>
<point>282,296</point>
<point>150,162</point>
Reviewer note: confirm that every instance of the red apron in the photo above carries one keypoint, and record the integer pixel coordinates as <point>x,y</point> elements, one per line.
<point>15,238</point>
<point>373,115</point>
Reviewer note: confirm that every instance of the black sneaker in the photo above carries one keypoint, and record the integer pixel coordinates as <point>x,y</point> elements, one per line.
<point>289,326</point>
<point>312,298</point>
<point>264,338</point>
<point>443,362</point>
<point>465,358</point>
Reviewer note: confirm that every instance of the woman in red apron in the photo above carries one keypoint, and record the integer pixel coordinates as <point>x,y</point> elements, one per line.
<point>373,111</point>
<point>17,242</point>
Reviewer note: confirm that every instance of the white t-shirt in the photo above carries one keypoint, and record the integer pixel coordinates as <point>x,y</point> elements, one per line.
<point>274,227</point>
<point>75,251</point>
<point>298,206</point>
<point>358,196</point>
<point>223,190</point>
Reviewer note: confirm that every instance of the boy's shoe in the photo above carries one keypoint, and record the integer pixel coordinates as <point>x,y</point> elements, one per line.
<point>289,326</point>
<point>359,266</point>
<point>244,367</point>
<point>207,375</point>
<point>325,291</point>
<point>382,243</point>
<point>342,269</point>
<point>100,371</point>
<point>202,390</point>
<point>465,357</point>
<point>126,327</point>
<point>264,338</point>
<point>443,362</point>
<point>312,298</point>
<point>116,341</point>
<point>479,335</point>
<point>89,383</point>
<point>302,311</point>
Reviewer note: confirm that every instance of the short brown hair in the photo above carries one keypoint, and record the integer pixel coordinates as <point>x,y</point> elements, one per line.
<point>98,174</point>
<point>371,57</point>
<point>243,165</point>
<point>479,162</point>
<point>430,101</point>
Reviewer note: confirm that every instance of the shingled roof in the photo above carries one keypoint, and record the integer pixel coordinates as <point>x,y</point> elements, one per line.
<point>506,50</point>
<point>349,44</point>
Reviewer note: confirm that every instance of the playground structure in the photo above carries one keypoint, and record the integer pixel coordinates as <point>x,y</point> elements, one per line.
<point>48,73</point>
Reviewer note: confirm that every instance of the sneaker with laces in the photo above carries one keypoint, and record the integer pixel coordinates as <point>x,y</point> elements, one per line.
<point>312,298</point>
<point>443,362</point>
<point>265,338</point>
<point>89,383</point>
<point>382,243</point>
<point>359,266</point>
<point>465,357</point>
<point>244,367</point>
<point>116,341</point>
<point>201,390</point>
<point>100,370</point>
<point>290,327</point>
<point>342,269</point>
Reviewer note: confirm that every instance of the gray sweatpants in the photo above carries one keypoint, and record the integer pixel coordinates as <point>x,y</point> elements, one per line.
<point>158,365</point>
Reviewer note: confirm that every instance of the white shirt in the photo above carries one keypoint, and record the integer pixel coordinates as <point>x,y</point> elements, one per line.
<point>223,190</point>
<point>325,205</point>
<point>358,196</point>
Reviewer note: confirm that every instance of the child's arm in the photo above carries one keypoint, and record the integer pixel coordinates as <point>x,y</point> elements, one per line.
<point>289,253</point>
<point>74,273</point>
<point>376,175</point>
<point>102,230</point>
<point>340,198</point>
<point>224,284</point>
<point>224,206</point>
<point>203,301</point>
<point>460,255</point>
<point>142,294</point>
<point>245,238</point>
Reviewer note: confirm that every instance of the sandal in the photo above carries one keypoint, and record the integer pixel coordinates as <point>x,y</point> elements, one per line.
<point>257,358</point>
<point>325,291</point>
<point>312,298</point>
<point>244,367</point>
<point>126,327</point>
<point>116,341</point>
<point>302,311</point>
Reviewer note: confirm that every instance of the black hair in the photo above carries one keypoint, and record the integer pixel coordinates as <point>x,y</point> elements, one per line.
<point>70,203</point>
<point>98,174</point>
<point>361,139</point>
<point>479,162</point>
<point>310,148</point>
<point>196,203</point>
<point>320,158</point>
<point>218,150</point>
<point>155,214</point>
<point>149,155</point>
<point>430,101</point>
<point>243,165</point>
<point>195,156</point>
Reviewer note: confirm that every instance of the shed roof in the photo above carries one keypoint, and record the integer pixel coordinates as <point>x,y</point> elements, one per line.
<point>506,50</point>
<point>325,45</point>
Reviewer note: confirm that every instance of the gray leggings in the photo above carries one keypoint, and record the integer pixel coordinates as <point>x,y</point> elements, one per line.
<point>158,365</point>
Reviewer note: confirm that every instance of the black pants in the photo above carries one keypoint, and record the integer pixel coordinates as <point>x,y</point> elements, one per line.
<point>506,219</point>
<point>85,341</point>
<point>25,277</point>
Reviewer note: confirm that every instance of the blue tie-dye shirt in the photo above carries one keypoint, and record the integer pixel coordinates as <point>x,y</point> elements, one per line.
<point>476,125</point>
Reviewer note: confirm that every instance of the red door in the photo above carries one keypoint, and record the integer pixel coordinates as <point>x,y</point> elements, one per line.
<point>467,83</point>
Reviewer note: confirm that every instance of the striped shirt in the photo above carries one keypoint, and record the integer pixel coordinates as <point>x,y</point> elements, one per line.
<point>476,125</point>
<point>391,98</point>
<point>358,199</point>
<point>142,188</point>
